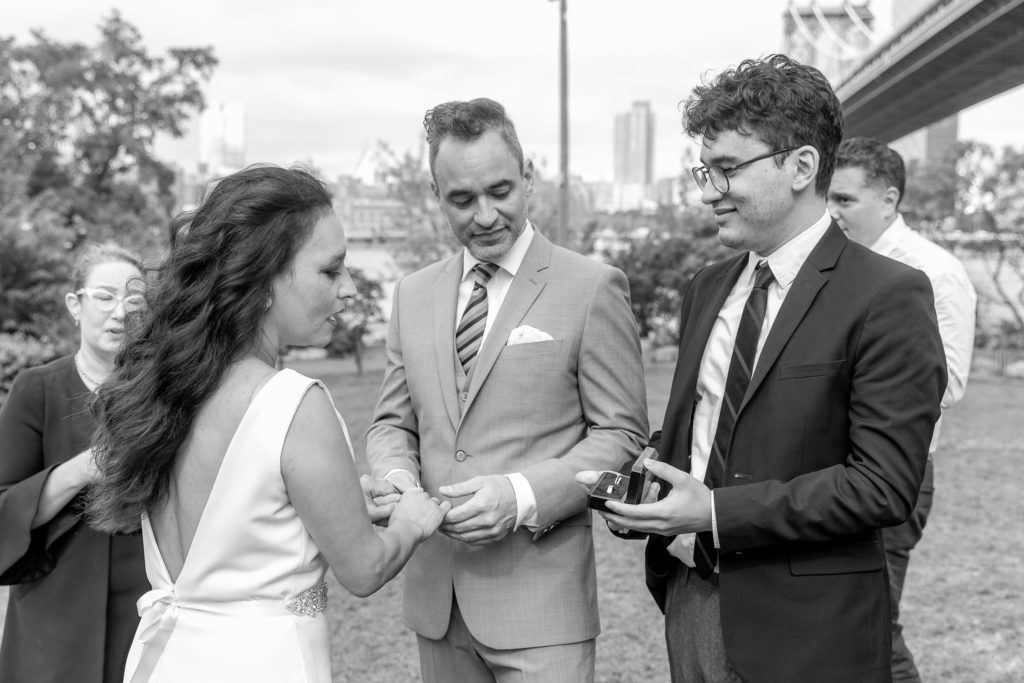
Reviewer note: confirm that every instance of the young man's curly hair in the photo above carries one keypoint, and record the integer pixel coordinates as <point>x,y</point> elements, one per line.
<point>778,100</point>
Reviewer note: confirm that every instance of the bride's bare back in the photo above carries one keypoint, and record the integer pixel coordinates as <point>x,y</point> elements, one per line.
<point>176,518</point>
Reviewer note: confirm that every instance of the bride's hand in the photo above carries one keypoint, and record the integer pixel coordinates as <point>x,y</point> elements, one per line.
<point>380,497</point>
<point>416,508</point>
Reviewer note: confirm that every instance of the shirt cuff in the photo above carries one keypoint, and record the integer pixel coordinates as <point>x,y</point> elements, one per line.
<point>399,469</point>
<point>682,548</point>
<point>526,501</point>
<point>714,522</point>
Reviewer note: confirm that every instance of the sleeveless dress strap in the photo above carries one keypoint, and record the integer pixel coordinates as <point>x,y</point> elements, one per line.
<point>298,384</point>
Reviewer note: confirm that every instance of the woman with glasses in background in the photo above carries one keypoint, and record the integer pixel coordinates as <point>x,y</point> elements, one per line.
<point>72,614</point>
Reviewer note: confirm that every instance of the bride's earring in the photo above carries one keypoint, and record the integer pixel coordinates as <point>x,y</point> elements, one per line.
<point>270,302</point>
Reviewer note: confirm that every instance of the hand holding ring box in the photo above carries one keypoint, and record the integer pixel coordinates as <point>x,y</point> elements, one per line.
<point>621,487</point>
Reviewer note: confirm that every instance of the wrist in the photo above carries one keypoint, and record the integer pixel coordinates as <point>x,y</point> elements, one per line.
<point>402,479</point>
<point>71,475</point>
<point>407,528</point>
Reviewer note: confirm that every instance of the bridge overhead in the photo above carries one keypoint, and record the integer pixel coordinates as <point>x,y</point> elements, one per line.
<point>953,55</point>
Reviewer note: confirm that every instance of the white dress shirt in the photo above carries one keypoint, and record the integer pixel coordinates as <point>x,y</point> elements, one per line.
<point>955,302</point>
<point>785,263</point>
<point>497,289</point>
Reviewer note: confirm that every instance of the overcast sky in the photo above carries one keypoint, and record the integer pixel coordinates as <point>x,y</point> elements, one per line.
<point>321,80</point>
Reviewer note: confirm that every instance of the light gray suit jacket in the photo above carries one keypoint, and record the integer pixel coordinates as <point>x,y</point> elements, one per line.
<point>545,409</point>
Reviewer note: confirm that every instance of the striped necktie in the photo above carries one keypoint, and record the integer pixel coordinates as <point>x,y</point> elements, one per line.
<point>741,367</point>
<point>474,318</point>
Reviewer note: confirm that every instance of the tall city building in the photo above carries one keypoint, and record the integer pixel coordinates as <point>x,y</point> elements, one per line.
<point>634,156</point>
<point>222,138</point>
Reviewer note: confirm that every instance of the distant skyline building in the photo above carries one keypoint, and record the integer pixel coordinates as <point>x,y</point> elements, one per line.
<point>634,144</point>
<point>634,156</point>
<point>222,138</point>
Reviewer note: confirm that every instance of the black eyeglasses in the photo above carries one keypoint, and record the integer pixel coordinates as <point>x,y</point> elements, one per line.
<point>719,176</point>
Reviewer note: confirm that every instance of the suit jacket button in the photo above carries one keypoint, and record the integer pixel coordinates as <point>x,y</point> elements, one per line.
<point>465,395</point>
<point>460,455</point>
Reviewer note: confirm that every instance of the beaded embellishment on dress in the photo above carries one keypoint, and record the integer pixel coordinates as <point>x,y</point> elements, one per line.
<point>310,602</point>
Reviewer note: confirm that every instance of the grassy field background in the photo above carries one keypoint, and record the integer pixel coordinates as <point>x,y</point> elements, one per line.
<point>963,604</point>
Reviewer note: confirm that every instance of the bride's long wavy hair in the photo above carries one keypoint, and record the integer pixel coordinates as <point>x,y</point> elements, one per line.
<point>205,311</point>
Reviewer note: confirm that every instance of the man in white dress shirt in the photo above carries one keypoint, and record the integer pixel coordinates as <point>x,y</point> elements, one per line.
<point>864,199</point>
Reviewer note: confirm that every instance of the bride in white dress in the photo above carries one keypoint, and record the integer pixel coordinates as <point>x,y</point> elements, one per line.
<point>242,475</point>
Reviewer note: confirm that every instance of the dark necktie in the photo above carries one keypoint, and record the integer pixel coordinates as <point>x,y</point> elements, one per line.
<point>474,318</point>
<point>741,367</point>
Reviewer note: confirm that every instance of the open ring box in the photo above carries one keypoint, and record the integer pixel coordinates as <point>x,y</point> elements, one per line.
<point>624,488</point>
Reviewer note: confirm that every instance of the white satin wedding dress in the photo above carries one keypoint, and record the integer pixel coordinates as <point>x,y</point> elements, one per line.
<point>249,602</point>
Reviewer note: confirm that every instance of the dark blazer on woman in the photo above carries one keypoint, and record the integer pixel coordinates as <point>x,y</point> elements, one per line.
<point>71,615</point>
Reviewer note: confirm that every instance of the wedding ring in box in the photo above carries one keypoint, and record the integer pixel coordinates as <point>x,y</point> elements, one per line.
<point>624,488</point>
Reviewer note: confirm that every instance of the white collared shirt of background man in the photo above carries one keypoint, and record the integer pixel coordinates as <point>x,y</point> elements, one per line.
<point>955,302</point>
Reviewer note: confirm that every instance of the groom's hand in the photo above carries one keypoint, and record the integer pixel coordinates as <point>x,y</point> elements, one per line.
<point>489,514</point>
<point>380,497</point>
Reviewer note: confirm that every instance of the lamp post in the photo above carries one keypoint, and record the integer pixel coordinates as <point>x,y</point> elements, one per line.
<point>562,232</point>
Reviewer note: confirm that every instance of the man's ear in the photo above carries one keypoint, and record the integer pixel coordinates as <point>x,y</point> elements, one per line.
<point>891,200</point>
<point>528,175</point>
<point>807,160</point>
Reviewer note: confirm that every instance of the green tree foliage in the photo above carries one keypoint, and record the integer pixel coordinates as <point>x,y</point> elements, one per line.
<point>974,202</point>
<point>17,352</point>
<point>930,193</point>
<point>84,119</point>
<point>361,311</point>
<point>991,206</point>
<point>545,207</point>
<point>660,265</point>
<point>77,127</point>
<point>34,275</point>
<point>408,179</point>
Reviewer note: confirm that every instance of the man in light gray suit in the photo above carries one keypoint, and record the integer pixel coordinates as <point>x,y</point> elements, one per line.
<point>511,365</point>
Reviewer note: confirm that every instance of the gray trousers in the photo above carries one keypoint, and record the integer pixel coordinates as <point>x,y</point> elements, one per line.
<point>461,657</point>
<point>693,631</point>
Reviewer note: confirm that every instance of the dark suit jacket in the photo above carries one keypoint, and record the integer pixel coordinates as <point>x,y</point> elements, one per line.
<point>71,614</point>
<point>829,446</point>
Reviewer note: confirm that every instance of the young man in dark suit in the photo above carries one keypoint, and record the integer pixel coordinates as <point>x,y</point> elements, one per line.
<point>808,382</point>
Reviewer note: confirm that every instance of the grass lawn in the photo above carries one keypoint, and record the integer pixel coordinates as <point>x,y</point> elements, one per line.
<point>963,608</point>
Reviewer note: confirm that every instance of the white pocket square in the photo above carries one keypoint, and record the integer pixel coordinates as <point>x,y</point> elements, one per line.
<point>525,334</point>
